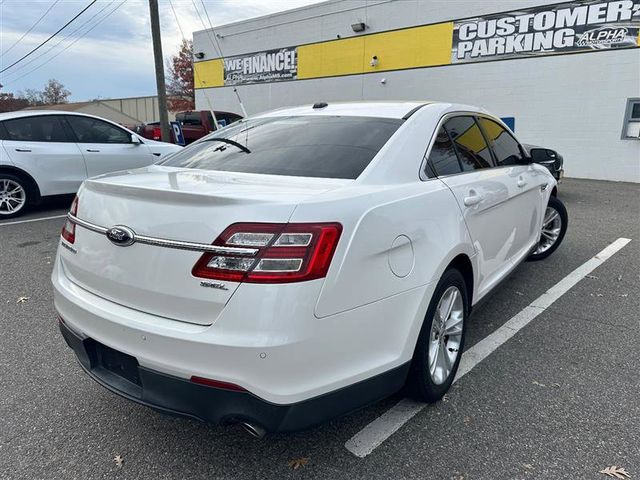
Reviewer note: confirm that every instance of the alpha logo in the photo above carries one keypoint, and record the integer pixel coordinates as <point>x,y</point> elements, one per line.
<point>121,236</point>
<point>602,36</point>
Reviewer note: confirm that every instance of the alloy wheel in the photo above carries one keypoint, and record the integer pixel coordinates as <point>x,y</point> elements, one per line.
<point>12,197</point>
<point>551,228</point>
<point>446,335</point>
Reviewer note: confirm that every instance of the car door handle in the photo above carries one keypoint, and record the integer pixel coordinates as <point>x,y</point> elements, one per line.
<point>472,200</point>
<point>23,150</point>
<point>92,150</point>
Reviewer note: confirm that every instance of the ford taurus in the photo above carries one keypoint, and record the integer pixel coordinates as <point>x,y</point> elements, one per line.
<point>301,263</point>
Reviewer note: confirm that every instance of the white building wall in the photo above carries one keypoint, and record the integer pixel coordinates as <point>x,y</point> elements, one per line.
<point>572,103</point>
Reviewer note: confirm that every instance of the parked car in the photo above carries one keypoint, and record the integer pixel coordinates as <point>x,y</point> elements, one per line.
<point>45,153</point>
<point>301,263</point>
<point>195,125</point>
<point>549,158</point>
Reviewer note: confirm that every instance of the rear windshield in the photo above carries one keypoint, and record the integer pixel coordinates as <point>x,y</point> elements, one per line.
<point>305,146</point>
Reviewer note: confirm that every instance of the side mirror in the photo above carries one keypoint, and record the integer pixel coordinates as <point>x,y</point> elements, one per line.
<point>543,155</point>
<point>135,140</point>
<point>525,158</point>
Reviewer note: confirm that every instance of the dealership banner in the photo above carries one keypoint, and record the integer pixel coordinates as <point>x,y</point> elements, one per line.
<point>569,27</point>
<point>269,66</point>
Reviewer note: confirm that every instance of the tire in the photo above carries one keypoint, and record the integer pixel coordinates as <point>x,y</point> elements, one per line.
<point>426,383</point>
<point>15,195</point>
<point>555,223</point>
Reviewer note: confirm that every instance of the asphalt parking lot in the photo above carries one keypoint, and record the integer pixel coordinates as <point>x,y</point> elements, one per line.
<point>559,399</point>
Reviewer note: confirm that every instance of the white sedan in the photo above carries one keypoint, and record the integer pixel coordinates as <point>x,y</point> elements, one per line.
<point>45,153</point>
<point>301,263</point>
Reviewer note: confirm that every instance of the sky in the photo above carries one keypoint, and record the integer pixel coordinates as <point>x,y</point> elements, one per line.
<point>107,51</point>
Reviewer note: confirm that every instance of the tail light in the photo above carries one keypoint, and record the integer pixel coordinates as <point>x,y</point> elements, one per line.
<point>157,133</point>
<point>69,228</point>
<point>289,252</point>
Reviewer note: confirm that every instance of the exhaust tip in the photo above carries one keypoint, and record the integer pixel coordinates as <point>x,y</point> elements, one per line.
<point>253,429</point>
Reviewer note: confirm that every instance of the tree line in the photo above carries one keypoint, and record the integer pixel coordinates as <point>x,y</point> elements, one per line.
<point>52,93</point>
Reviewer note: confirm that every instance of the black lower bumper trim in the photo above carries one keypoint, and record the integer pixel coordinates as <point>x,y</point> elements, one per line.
<point>181,397</point>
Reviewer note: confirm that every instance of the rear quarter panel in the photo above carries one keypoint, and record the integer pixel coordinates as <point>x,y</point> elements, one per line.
<point>394,239</point>
<point>5,160</point>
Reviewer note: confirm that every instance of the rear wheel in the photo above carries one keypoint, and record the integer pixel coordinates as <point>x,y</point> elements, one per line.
<point>554,226</point>
<point>14,196</point>
<point>441,340</point>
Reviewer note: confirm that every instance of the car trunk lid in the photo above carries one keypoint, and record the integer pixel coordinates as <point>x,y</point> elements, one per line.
<point>179,206</point>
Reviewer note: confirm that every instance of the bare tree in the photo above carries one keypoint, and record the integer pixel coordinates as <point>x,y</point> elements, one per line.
<point>55,93</point>
<point>32,96</point>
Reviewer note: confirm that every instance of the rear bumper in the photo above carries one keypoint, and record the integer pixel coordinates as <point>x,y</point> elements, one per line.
<point>267,341</point>
<point>178,396</point>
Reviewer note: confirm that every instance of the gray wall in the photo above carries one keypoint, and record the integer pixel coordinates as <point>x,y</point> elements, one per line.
<point>574,103</point>
<point>144,109</point>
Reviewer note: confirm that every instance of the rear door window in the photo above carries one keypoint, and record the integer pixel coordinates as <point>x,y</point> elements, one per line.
<point>92,130</point>
<point>442,157</point>
<point>46,128</point>
<point>469,143</point>
<point>305,146</point>
<point>505,147</point>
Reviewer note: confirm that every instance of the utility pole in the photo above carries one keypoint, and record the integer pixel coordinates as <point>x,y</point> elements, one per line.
<point>157,57</point>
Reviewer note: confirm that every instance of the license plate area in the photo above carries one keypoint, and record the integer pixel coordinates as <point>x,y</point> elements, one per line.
<point>118,363</point>
<point>117,369</point>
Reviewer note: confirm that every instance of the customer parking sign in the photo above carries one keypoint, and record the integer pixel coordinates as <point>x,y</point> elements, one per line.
<point>570,27</point>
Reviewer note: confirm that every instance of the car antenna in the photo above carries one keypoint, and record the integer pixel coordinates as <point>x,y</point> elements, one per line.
<point>244,112</point>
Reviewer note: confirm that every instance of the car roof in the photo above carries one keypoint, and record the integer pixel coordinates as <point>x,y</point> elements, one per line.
<point>382,109</point>
<point>33,113</point>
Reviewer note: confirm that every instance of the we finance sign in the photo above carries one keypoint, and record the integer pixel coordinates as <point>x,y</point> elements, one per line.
<point>268,66</point>
<point>569,27</point>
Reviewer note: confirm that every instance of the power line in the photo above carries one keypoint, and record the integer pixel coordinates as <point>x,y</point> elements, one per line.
<point>62,40</point>
<point>215,37</point>
<point>195,73</point>
<point>175,15</point>
<point>211,26</point>
<point>31,28</point>
<point>213,113</point>
<point>204,25</point>
<point>71,44</point>
<point>57,32</point>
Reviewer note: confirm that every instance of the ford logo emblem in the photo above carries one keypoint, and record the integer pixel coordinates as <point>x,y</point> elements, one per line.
<point>121,236</point>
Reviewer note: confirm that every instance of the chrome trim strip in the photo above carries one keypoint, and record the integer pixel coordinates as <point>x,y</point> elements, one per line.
<point>163,242</point>
<point>88,225</point>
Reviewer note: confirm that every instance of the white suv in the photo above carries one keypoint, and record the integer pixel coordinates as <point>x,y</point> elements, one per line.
<point>302,263</point>
<point>46,153</point>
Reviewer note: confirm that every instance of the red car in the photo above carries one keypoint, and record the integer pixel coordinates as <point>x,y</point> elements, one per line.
<point>195,124</point>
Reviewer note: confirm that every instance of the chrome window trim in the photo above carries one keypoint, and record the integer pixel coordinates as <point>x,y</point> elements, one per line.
<point>166,243</point>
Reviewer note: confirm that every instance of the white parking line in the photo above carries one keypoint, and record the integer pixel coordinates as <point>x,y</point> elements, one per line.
<point>372,436</point>
<point>33,220</point>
